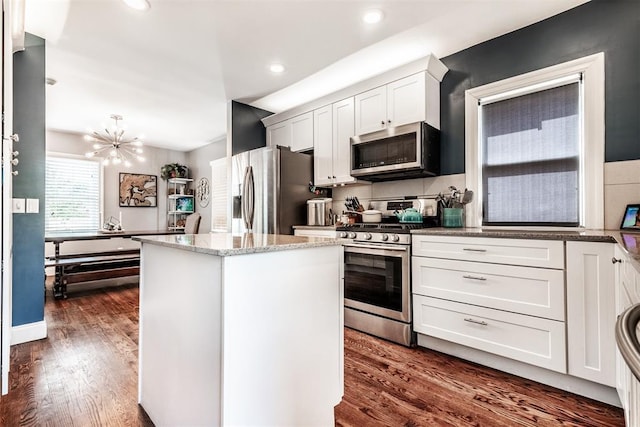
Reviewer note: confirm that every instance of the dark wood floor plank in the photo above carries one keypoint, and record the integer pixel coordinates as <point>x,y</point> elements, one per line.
<point>387,384</point>
<point>85,374</point>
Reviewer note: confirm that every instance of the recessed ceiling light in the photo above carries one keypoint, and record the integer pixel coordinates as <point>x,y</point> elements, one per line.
<point>276,68</point>
<point>372,16</point>
<point>138,4</point>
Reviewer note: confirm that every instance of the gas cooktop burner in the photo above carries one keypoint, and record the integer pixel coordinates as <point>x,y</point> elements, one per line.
<point>382,228</point>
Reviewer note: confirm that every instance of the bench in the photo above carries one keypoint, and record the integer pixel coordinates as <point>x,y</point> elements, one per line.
<point>86,267</point>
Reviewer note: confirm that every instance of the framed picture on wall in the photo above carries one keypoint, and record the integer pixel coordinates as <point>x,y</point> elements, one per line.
<point>138,190</point>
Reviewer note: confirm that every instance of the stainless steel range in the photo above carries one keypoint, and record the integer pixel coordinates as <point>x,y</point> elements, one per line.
<point>377,270</point>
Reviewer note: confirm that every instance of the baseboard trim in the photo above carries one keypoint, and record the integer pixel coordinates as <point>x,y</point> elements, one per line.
<point>29,332</point>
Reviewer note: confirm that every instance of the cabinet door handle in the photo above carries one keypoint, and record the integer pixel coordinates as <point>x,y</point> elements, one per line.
<point>389,121</point>
<point>477,322</point>
<point>474,250</point>
<point>615,260</point>
<point>467,276</point>
<point>382,122</point>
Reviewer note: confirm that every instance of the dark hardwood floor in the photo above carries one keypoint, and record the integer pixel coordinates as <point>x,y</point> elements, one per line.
<point>85,374</point>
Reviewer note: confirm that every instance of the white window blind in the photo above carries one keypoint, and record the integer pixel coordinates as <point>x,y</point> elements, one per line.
<point>531,158</point>
<point>72,194</point>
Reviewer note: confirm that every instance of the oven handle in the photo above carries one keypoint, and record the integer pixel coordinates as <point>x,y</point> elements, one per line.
<point>381,247</point>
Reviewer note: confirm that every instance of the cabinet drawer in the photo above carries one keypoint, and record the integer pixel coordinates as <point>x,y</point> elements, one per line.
<point>532,253</point>
<point>533,340</point>
<point>526,290</point>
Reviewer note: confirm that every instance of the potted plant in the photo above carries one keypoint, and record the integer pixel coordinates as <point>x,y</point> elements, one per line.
<point>173,170</point>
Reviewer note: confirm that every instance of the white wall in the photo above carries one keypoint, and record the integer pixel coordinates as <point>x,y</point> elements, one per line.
<point>198,161</point>
<point>621,187</point>
<point>132,218</point>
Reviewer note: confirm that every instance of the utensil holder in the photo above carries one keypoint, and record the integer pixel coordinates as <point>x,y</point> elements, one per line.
<point>453,217</point>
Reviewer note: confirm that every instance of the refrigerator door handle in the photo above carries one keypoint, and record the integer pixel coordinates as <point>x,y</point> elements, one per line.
<point>248,198</point>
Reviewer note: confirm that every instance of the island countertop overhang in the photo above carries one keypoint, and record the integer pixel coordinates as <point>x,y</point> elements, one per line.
<point>228,244</point>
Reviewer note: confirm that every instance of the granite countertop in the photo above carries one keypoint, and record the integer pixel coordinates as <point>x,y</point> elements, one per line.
<point>582,235</point>
<point>227,244</point>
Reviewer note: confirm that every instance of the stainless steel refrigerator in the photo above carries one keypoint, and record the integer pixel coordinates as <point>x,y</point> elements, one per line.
<point>269,189</point>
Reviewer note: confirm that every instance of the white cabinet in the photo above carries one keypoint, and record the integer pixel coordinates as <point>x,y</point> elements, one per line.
<point>332,130</point>
<point>529,339</point>
<point>591,311</point>
<point>397,103</point>
<point>627,385</point>
<point>296,133</point>
<point>530,253</point>
<point>343,130</point>
<point>323,146</point>
<point>279,134</point>
<point>500,296</point>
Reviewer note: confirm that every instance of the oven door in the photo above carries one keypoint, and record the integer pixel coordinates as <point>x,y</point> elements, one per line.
<point>376,279</point>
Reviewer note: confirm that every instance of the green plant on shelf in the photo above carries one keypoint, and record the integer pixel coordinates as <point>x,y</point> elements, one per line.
<point>173,170</point>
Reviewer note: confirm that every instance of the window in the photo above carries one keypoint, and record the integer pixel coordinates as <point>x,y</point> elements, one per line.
<point>535,148</point>
<point>72,194</point>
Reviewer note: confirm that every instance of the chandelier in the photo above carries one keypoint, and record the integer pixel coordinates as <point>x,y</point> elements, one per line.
<point>113,147</point>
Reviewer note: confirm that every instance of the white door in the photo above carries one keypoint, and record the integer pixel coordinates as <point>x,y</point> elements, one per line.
<point>343,130</point>
<point>406,100</point>
<point>371,110</point>
<point>6,224</point>
<point>279,134</point>
<point>322,146</point>
<point>591,316</point>
<point>302,132</point>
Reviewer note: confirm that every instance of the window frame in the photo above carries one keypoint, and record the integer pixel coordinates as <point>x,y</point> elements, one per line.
<point>593,132</point>
<point>100,163</point>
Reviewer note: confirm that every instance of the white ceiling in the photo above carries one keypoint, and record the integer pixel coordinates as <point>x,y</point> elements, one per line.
<point>171,70</point>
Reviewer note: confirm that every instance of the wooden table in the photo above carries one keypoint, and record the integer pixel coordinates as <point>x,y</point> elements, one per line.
<point>60,262</point>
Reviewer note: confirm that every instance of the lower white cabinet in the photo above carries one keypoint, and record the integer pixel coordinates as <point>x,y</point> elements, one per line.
<point>493,295</point>
<point>529,339</point>
<point>531,291</point>
<point>591,313</point>
<point>627,385</point>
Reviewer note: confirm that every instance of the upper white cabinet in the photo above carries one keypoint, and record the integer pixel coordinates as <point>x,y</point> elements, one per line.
<point>343,130</point>
<point>397,103</point>
<point>279,134</point>
<point>323,146</point>
<point>296,133</point>
<point>591,313</point>
<point>333,128</point>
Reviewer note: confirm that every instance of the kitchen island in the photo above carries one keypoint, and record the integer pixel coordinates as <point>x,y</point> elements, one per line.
<point>240,329</point>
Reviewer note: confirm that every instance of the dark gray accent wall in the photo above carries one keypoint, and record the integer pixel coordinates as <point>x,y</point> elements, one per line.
<point>247,131</point>
<point>609,26</point>
<point>28,228</point>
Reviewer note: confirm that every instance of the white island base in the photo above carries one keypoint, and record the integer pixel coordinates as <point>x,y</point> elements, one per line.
<point>250,339</point>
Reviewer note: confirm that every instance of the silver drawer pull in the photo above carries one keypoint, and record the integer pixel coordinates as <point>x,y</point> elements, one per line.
<point>477,322</point>
<point>466,276</point>
<point>474,250</point>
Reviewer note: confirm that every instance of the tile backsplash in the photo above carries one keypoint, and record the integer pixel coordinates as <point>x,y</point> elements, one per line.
<point>408,187</point>
<point>621,187</point>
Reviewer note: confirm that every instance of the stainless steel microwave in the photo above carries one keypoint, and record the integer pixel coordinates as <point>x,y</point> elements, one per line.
<point>402,152</point>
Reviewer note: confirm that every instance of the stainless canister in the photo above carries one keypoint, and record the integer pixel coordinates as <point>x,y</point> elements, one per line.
<point>319,211</point>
